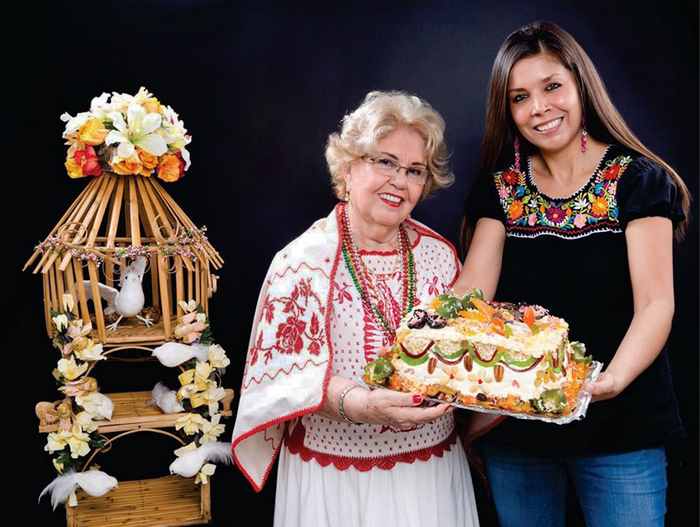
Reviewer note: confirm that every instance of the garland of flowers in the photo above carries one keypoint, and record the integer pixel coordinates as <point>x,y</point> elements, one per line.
<point>182,245</point>
<point>200,390</point>
<point>351,256</point>
<point>84,404</point>
<point>127,135</point>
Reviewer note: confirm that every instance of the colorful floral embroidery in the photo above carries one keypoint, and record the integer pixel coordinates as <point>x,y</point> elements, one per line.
<point>529,213</point>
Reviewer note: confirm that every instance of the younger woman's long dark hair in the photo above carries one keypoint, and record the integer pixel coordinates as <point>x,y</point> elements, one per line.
<point>603,121</point>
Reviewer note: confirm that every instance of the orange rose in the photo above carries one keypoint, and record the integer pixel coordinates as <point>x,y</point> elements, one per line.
<point>171,168</point>
<point>148,160</point>
<point>515,210</point>
<point>127,167</point>
<point>93,132</point>
<point>599,207</point>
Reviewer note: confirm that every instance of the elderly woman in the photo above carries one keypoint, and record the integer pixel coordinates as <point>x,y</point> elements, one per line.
<point>331,300</point>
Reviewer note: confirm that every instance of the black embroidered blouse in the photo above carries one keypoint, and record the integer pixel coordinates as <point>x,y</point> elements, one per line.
<point>570,255</point>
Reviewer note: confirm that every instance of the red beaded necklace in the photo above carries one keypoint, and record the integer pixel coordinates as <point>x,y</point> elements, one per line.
<point>360,275</point>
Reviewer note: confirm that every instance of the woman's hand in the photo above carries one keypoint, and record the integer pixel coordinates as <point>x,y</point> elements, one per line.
<point>398,410</point>
<point>605,387</point>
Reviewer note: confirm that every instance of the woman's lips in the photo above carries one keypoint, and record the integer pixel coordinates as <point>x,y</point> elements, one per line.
<point>391,200</point>
<point>549,127</point>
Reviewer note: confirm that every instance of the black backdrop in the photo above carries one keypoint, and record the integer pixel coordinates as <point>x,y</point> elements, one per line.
<point>260,88</point>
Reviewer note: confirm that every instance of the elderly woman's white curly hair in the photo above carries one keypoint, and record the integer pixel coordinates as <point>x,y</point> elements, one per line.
<point>378,115</point>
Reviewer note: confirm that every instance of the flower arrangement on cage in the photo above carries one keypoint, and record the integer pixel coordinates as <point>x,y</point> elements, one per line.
<point>128,135</point>
<point>203,364</point>
<point>77,416</point>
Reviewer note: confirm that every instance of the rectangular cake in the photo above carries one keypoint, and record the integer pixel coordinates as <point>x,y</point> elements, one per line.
<point>496,355</point>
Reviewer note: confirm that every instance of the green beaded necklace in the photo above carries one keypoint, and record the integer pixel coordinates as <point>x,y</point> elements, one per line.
<point>351,257</point>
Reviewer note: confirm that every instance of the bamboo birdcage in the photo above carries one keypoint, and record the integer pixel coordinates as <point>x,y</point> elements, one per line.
<point>113,215</point>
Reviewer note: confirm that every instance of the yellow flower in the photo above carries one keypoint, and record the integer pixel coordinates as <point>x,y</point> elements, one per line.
<point>98,405</point>
<point>217,356</point>
<point>190,423</point>
<point>151,105</point>
<point>73,168</point>
<point>212,429</point>
<point>92,351</point>
<point>70,370</point>
<point>78,441</point>
<point>75,438</point>
<point>205,473</point>
<point>186,377</point>
<point>93,132</point>
<point>84,419</point>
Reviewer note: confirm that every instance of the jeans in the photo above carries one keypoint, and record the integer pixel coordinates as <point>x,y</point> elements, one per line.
<point>614,490</point>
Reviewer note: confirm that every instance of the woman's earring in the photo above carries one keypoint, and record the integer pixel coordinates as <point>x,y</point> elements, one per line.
<point>516,149</point>
<point>584,137</point>
<point>347,195</point>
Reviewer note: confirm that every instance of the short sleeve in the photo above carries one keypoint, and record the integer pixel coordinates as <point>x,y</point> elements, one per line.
<point>482,201</point>
<point>646,189</point>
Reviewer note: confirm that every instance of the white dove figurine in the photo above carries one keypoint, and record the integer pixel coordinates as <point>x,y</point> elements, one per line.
<point>129,300</point>
<point>93,482</point>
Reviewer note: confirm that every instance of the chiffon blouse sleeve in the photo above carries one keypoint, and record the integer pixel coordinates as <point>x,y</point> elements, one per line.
<point>646,189</point>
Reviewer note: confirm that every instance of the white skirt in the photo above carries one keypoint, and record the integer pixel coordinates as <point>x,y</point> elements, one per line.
<point>419,494</point>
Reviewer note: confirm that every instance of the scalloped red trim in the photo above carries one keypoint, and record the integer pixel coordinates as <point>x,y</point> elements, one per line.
<point>295,445</point>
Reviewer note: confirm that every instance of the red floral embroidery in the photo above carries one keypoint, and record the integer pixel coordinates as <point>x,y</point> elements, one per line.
<point>255,349</point>
<point>510,177</point>
<point>268,309</point>
<point>432,287</point>
<point>289,335</point>
<point>343,293</point>
<point>612,172</point>
<point>295,444</point>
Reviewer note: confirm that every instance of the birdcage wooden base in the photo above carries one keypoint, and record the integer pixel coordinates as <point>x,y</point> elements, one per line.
<point>166,501</point>
<point>133,410</point>
<point>132,331</point>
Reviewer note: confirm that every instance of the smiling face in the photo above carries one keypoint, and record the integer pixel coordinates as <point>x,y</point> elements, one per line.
<point>381,200</point>
<point>544,102</point>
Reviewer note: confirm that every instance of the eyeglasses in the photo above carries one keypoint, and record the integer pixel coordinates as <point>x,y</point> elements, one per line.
<point>388,167</point>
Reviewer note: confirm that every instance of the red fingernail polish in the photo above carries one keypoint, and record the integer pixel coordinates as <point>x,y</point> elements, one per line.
<point>417,399</point>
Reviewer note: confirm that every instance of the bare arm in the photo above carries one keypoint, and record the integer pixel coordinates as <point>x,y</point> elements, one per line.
<point>386,407</point>
<point>650,254</point>
<point>482,266</point>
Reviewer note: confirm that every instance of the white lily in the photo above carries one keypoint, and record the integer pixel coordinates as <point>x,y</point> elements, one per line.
<point>100,107</point>
<point>73,124</point>
<point>137,130</point>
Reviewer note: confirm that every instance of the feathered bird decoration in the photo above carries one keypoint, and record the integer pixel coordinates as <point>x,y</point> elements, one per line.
<point>127,301</point>
<point>97,404</point>
<point>190,460</point>
<point>173,354</point>
<point>166,399</point>
<point>93,482</point>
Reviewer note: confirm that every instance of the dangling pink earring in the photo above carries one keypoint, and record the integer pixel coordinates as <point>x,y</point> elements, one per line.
<point>516,149</point>
<point>584,137</point>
